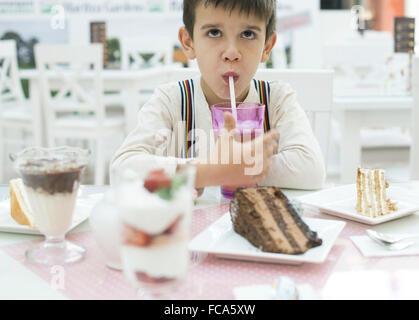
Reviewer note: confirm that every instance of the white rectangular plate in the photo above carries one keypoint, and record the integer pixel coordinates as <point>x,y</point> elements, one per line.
<point>341,202</point>
<point>221,240</point>
<point>84,206</point>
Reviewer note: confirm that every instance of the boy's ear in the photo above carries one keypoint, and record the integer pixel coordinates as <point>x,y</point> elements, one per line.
<point>186,43</point>
<point>268,47</point>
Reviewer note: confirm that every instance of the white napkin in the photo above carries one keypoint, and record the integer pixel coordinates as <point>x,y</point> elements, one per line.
<point>264,292</point>
<point>369,248</point>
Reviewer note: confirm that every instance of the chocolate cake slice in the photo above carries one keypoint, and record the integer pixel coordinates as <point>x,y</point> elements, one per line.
<point>266,218</point>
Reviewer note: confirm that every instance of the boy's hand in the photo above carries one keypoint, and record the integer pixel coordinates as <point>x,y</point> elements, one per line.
<point>242,163</point>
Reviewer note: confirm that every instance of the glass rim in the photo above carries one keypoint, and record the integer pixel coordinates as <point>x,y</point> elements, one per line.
<point>40,152</point>
<point>227,105</point>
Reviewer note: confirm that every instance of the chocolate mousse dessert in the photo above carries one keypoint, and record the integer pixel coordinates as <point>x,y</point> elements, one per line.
<point>51,178</point>
<point>266,218</point>
<point>51,175</point>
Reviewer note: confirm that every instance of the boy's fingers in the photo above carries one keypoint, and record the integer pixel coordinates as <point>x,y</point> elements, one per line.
<point>270,144</point>
<point>273,134</point>
<point>229,121</point>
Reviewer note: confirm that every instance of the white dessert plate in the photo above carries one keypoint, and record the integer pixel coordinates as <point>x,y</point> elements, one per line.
<point>221,240</point>
<point>341,202</point>
<point>84,205</point>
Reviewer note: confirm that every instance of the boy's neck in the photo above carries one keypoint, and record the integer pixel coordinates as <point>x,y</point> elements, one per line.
<point>212,98</point>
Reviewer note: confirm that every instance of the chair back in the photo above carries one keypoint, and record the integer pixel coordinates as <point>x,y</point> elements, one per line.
<point>367,65</point>
<point>10,86</point>
<point>145,52</point>
<point>71,81</point>
<point>414,151</point>
<point>314,89</point>
<point>179,74</point>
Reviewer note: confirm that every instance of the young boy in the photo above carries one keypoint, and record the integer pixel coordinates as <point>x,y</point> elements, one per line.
<point>228,38</point>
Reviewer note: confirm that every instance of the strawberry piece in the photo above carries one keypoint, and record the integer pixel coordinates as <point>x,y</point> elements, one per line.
<point>135,237</point>
<point>173,226</point>
<point>143,277</point>
<point>157,179</point>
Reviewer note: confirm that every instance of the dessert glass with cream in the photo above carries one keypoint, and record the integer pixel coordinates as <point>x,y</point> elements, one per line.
<point>51,177</point>
<point>155,210</point>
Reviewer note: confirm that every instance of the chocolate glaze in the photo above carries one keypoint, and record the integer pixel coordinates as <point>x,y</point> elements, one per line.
<point>55,182</point>
<point>51,175</point>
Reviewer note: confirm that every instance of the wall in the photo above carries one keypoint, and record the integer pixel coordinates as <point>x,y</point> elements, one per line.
<point>385,11</point>
<point>306,41</point>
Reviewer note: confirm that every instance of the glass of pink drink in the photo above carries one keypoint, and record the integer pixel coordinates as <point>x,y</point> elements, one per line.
<point>249,124</point>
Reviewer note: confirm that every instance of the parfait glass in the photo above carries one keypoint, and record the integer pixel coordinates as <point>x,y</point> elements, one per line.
<point>154,210</point>
<point>249,124</point>
<point>51,179</point>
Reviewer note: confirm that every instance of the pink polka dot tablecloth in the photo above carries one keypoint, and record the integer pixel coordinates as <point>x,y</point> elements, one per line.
<point>208,277</point>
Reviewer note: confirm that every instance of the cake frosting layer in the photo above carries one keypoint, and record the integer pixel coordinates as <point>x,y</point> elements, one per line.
<point>266,218</point>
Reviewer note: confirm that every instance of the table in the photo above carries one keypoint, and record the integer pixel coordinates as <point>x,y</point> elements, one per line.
<point>346,274</point>
<point>355,112</point>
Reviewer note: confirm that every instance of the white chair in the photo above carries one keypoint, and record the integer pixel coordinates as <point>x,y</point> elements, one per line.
<point>141,53</point>
<point>72,93</point>
<point>279,56</point>
<point>145,52</point>
<point>15,111</point>
<point>414,149</point>
<point>316,100</point>
<point>178,74</point>
<point>361,63</point>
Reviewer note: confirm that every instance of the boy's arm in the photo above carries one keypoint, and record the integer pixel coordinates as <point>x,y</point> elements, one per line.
<point>299,163</point>
<point>150,141</point>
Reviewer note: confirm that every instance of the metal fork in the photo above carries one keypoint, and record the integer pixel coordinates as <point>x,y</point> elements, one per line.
<point>390,238</point>
<point>399,245</point>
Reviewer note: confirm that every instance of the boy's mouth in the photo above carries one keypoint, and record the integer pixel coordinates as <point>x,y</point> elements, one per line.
<point>227,75</point>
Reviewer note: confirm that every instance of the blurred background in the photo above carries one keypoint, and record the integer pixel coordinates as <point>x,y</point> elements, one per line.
<point>358,39</point>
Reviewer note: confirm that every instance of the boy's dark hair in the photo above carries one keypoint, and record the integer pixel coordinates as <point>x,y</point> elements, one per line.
<point>264,9</point>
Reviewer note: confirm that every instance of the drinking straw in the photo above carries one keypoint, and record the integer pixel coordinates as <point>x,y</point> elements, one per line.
<point>233,98</point>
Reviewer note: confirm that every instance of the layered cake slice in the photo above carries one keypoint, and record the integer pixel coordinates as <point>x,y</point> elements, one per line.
<point>20,210</point>
<point>266,218</point>
<point>371,195</point>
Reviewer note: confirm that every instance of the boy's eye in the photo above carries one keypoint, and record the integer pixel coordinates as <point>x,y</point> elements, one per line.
<point>248,34</point>
<point>214,33</point>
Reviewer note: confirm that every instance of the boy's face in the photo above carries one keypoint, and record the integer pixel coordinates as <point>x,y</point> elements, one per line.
<point>226,44</point>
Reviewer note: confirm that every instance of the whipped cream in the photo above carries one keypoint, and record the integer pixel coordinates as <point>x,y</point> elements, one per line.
<point>167,254</point>
<point>150,213</point>
<point>170,260</point>
<point>53,213</point>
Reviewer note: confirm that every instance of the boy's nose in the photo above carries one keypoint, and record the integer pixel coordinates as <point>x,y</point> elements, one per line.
<point>231,54</point>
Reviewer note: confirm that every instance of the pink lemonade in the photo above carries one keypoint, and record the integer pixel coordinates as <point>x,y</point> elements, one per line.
<point>249,124</point>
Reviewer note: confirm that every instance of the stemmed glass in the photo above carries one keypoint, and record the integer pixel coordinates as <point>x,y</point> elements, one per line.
<point>154,209</point>
<point>51,178</point>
